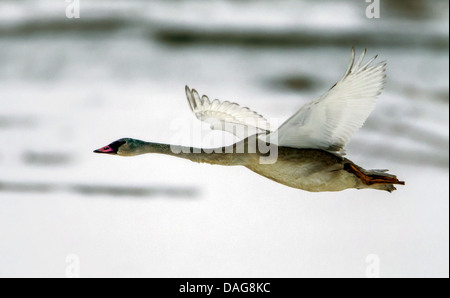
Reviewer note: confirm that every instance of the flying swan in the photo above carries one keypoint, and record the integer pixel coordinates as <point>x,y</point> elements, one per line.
<point>305,152</point>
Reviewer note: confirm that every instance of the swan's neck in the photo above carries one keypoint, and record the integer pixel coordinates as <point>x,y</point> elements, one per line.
<point>212,156</point>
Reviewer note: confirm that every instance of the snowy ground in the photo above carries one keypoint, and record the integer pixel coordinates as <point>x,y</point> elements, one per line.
<point>64,95</point>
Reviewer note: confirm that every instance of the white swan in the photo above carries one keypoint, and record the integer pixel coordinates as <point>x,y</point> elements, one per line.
<point>309,145</point>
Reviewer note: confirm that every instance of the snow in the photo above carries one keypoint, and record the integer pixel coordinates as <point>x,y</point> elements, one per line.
<point>159,216</point>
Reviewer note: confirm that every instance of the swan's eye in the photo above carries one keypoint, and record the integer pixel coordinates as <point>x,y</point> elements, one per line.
<point>106,147</point>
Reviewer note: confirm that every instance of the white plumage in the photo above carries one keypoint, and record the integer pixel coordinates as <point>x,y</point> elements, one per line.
<point>327,122</point>
<point>227,116</point>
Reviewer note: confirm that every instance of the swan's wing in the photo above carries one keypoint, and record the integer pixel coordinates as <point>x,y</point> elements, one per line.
<point>227,116</point>
<point>329,122</point>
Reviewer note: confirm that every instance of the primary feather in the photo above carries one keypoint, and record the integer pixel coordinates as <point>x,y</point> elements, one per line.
<point>329,121</point>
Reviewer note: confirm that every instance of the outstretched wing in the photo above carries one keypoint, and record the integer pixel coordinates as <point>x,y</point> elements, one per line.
<point>329,122</point>
<point>227,116</point>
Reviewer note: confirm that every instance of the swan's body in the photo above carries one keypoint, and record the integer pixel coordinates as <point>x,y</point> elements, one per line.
<point>309,145</point>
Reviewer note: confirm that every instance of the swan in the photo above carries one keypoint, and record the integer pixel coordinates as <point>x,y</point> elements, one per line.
<point>309,146</point>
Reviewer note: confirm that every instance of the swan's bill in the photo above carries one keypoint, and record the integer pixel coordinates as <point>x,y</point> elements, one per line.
<point>106,149</point>
<point>111,148</point>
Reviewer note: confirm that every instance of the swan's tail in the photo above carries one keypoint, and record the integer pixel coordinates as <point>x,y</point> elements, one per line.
<point>375,179</point>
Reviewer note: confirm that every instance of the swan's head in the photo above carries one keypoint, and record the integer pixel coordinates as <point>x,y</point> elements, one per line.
<point>123,147</point>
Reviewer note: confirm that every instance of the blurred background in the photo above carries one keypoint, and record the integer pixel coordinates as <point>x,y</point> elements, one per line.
<point>71,85</point>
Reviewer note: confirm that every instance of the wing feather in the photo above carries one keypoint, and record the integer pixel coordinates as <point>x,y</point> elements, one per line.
<point>329,122</point>
<point>227,116</point>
